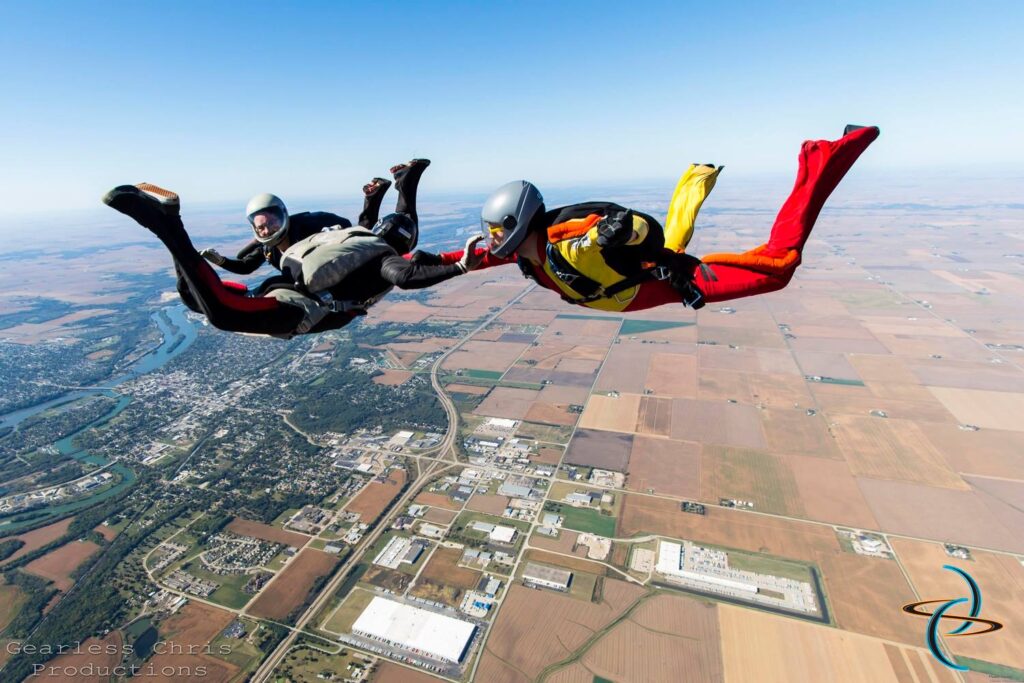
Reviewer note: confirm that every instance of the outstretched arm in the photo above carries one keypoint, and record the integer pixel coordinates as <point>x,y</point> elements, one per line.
<point>488,259</point>
<point>405,274</point>
<point>249,259</point>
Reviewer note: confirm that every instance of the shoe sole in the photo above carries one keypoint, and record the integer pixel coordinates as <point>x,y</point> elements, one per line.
<point>165,197</point>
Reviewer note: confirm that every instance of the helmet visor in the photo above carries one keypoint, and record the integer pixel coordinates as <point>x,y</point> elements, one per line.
<point>267,222</point>
<point>494,232</point>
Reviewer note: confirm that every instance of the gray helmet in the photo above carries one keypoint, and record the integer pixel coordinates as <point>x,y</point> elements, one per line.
<point>268,202</point>
<point>512,206</point>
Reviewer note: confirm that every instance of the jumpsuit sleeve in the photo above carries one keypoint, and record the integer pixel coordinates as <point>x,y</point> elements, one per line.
<point>404,274</point>
<point>490,260</point>
<point>248,263</point>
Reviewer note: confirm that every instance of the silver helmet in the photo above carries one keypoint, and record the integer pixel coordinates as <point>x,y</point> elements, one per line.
<point>276,209</point>
<point>507,213</point>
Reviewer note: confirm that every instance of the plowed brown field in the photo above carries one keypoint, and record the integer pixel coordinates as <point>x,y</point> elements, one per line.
<point>286,591</point>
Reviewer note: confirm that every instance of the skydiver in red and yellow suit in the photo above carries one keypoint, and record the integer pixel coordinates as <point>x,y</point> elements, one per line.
<point>604,256</point>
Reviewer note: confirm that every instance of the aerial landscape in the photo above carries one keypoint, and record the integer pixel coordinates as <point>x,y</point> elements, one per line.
<point>576,342</point>
<point>700,495</point>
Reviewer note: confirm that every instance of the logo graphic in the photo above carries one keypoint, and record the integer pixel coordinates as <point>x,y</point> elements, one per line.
<point>932,631</point>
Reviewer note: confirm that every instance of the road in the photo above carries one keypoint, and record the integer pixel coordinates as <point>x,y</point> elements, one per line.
<point>427,468</point>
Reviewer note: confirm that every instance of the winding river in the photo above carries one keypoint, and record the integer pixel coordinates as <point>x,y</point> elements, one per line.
<point>179,333</point>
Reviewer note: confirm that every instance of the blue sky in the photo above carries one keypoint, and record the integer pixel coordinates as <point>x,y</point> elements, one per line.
<point>220,101</point>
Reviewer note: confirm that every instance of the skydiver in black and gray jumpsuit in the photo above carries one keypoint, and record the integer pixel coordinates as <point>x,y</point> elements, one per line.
<point>275,308</point>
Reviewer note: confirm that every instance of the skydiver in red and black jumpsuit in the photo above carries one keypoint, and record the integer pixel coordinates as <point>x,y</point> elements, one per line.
<point>716,277</point>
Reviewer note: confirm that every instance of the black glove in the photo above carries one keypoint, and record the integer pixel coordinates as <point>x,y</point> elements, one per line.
<point>615,229</point>
<point>425,258</point>
<point>691,294</point>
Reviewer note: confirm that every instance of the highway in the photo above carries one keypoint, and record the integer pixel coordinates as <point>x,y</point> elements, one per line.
<point>427,467</point>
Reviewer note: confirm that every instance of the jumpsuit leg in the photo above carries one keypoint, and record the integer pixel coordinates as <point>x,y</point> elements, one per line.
<point>407,180</point>
<point>823,163</point>
<point>691,191</point>
<point>373,195</point>
<point>225,307</point>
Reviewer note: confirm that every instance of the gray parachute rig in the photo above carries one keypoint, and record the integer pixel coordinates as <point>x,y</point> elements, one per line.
<point>322,261</point>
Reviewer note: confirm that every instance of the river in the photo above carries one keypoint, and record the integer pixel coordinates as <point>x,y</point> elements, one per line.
<point>178,334</point>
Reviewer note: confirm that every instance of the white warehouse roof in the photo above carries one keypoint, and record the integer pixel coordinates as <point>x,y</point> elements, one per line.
<point>415,629</point>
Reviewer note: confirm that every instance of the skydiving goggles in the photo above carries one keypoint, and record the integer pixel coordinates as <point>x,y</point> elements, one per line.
<point>498,229</point>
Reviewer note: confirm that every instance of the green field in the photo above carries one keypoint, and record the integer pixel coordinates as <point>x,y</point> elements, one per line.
<point>582,519</point>
<point>341,621</point>
<point>995,670</point>
<point>11,600</point>
<point>843,382</point>
<point>582,585</point>
<point>238,651</point>
<point>546,433</point>
<point>640,326</point>
<point>284,517</point>
<point>766,564</point>
<point>482,374</point>
<point>229,593</point>
<point>465,379</point>
<point>521,385</point>
<point>313,665</point>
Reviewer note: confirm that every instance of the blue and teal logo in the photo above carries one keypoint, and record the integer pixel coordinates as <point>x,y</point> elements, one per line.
<point>967,623</point>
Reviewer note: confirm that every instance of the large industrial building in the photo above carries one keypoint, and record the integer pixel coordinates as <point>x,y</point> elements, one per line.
<point>672,560</point>
<point>420,631</point>
<point>547,577</point>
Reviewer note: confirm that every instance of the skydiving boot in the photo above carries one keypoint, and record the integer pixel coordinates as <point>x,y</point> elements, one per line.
<point>373,195</point>
<point>406,172</point>
<point>851,127</point>
<point>377,186</point>
<point>150,206</point>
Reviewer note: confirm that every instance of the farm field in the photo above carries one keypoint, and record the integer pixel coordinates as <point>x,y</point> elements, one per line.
<point>39,537</point>
<point>287,590</point>
<point>194,626</point>
<point>605,450</point>
<point>516,645</point>
<point>57,565</point>
<point>766,647</point>
<point>664,466</point>
<point>750,475</point>
<point>375,497</point>
<point>955,516</point>
<point>11,600</point>
<point>862,592</point>
<point>892,449</point>
<point>246,527</point>
<point>642,515</point>
<point>667,638</point>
